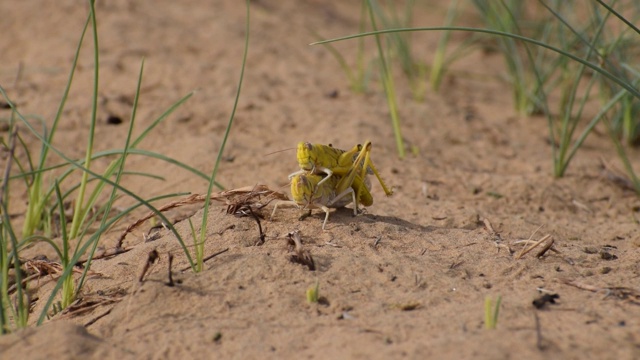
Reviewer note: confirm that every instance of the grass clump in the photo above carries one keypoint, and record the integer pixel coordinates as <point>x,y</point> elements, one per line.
<point>555,59</point>
<point>94,192</point>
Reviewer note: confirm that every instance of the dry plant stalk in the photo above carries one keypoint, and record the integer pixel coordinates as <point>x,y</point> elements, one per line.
<point>525,250</point>
<point>104,253</point>
<point>170,282</point>
<point>497,239</point>
<point>90,302</point>
<point>153,257</point>
<point>204,260</point>
<point>245,209</point>
<point>621,292</point>
<point>39,268</point>
<point>300,255</point>
<point>234,199</point>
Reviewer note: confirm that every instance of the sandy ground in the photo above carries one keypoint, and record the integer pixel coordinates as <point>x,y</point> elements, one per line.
<point>407,279</point>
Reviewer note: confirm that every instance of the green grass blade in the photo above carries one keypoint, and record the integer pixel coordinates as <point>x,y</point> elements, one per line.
<point>438,64</point>
<point>120,170</point>
<point>387,81</point>
<point>83,249</point>
<point>80,210</point>
<point>205,214</point>
<point>588,64</point>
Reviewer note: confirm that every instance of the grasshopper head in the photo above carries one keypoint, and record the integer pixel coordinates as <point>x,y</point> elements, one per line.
<point>302,188</point>
<point>306,156</point>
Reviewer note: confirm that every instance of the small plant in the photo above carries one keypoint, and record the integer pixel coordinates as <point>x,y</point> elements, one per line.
<point>313,293</point>
<point>491,311</point>
<point>198,248</point>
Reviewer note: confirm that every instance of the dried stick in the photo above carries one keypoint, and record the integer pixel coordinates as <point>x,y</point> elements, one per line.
<point>227,196</point>
<point>526,250</point>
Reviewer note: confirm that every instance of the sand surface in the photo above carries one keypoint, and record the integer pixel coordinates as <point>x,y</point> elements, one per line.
<point>406,279</point>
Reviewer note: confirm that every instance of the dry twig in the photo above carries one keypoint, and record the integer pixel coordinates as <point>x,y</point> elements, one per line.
<point>300,255</point>
<point>621,292</point>
<point>525,250</point>
<point>170,282</point>
<point>153,256</point>
<point>207,258</point>
<point>252,195</point>
<point>105,253</point>
<point>497,239</point>
<point>38,268</point>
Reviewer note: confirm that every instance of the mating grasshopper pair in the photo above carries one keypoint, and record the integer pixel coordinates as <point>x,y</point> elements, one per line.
<point>332,178</point>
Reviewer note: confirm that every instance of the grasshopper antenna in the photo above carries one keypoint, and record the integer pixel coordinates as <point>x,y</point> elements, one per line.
<point>279,151</point>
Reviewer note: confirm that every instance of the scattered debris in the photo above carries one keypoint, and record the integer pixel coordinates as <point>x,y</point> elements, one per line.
<point>153,237</point>
<point>376,242</point>
<point>606,252</point>
<point>300,255</point>
<point>89,302</point>
<point>545,299</point>
<point>113,120</point>
<point>406,306</point>
<point>548,244</point>
<point>40,267</point>
<point>153,256</point>
<point>535,244</point>
<point>93,321</point>
<point>624,293</point>
<point>207,258</point>
<point>104,253</point>
<point>245,209</point>
<point>332,244</point>
<point>539,344</point>
<point>217,337</point>
<point>256,197</point>
<point>170,282</point>
<point>497,239</point>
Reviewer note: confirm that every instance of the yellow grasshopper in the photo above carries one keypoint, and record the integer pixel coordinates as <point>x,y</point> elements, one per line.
<point>310,190</point>
<point>308,193</point>
<point>325,159</point>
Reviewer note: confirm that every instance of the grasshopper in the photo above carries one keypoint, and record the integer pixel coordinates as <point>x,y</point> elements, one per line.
<point>311,190</point>
<point>325,159</point>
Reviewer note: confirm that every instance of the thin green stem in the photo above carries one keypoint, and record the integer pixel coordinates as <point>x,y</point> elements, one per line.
<point>588,64</point>
<point>203,229</point>
<point>387,82</point>
<point>80,210</point>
